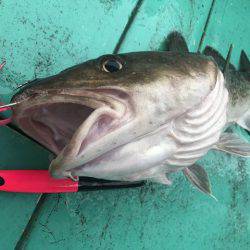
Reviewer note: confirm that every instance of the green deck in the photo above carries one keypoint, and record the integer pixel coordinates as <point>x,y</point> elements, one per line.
<point>40,38</point>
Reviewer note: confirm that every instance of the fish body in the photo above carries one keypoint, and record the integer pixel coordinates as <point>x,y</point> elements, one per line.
<point>133,116</point>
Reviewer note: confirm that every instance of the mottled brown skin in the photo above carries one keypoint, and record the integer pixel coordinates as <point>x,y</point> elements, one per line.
<point>238,87</point>
<point>90,73</point>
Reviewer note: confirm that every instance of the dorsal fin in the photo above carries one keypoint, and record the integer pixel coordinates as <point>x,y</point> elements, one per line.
<point>219,59</point>
<point>244,62</point>
<point>176,42</point>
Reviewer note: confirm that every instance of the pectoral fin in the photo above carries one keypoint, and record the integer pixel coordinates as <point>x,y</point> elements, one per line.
<point>199,178</point>
<point>233,144</point>
<point>244,121</point>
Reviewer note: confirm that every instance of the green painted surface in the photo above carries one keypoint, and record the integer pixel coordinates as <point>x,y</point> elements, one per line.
<point>230,25</point>
<point>156,19</point>
<point>152,217</point>
<point>15,208</point>
<point>40,38</point>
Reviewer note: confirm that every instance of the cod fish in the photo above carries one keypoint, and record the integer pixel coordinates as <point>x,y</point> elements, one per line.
<point>137,116</point>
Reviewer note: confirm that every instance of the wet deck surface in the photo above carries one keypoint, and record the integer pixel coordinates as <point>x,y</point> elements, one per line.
<point>40,38</point>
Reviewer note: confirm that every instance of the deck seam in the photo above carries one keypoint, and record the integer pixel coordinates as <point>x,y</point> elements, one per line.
<point>206,26</point>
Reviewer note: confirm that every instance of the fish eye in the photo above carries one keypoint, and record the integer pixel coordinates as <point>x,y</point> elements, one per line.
<point>111,65</point>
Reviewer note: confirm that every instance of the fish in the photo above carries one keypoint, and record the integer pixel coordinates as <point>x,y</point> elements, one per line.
<point>138,116</point>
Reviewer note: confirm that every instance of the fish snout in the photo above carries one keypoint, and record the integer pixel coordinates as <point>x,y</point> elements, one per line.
<point>22,95</point>
<point>35,87</point>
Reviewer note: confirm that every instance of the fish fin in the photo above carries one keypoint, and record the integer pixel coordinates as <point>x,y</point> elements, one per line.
<point>233,144</point>
<point>176,42</point>
<point>244,62</point>
<point>218,58</point>
<point>197,175</point>
<point>226,66</point>
<point>162,178</point>
<point>244,121</point>
<point>245,66</point>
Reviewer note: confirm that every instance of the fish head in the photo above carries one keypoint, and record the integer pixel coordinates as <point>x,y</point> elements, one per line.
<point>94,108</point>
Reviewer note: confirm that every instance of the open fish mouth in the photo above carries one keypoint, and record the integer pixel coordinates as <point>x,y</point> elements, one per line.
<point>72,118</point>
